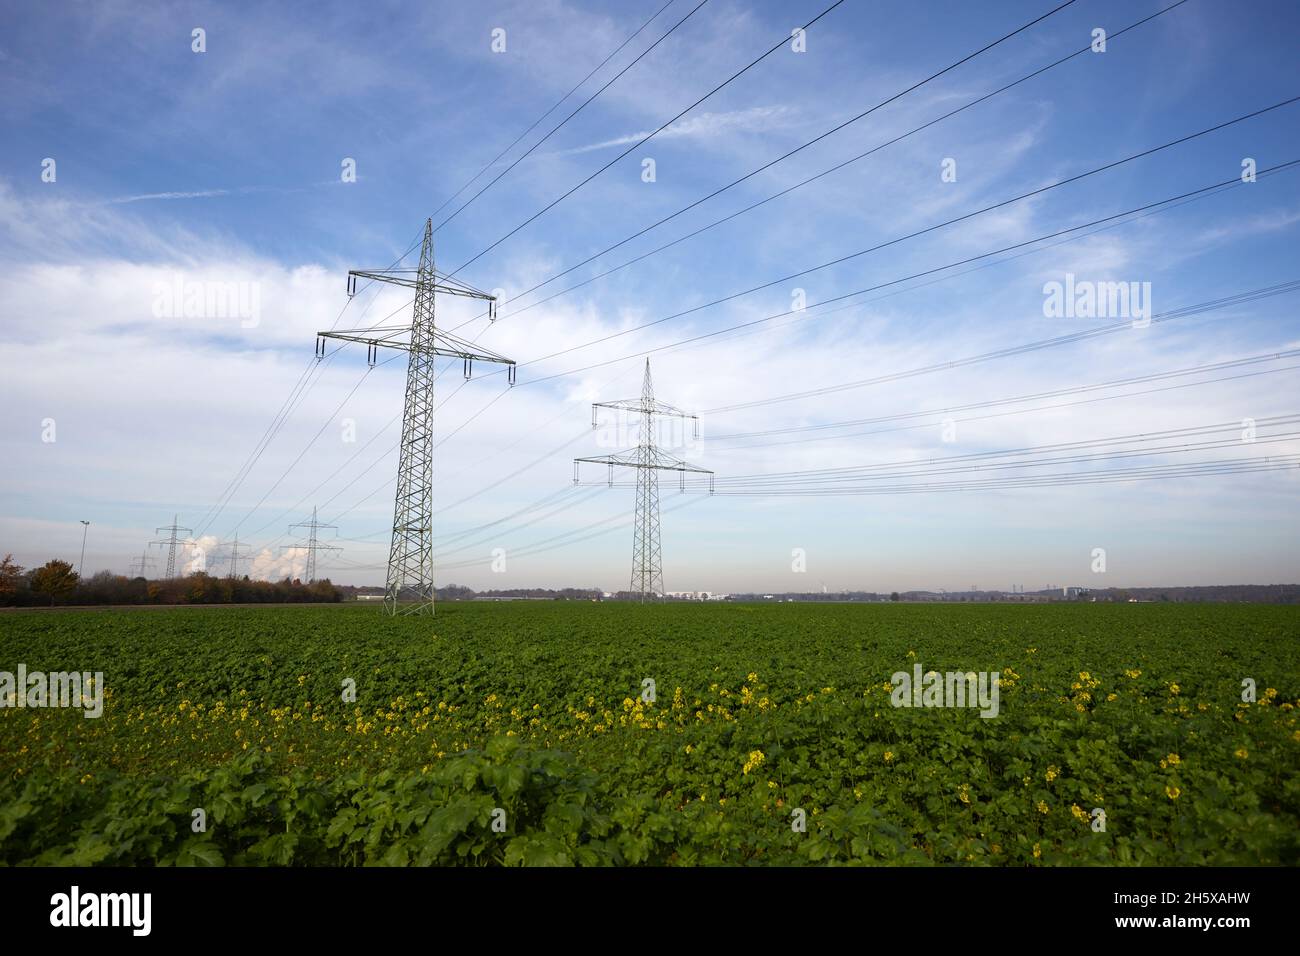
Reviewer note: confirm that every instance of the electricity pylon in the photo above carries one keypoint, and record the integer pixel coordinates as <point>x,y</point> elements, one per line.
<point>313,544</point>
<point>236,557</point>
<point>173,531</point>
<point>410,559</point>
<point>141,564</point>
<point>648,460</point>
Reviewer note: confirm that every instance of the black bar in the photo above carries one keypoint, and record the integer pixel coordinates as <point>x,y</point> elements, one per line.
<point>932,905</point>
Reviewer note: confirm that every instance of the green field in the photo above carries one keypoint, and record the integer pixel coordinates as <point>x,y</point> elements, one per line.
<point>518,733</point>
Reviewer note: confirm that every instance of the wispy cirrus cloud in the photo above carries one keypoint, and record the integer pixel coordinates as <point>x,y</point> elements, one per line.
<point>146,197</point>
<point>754,120</point>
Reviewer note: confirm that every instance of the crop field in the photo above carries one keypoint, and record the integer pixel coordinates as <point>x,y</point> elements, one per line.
<point>563,733</point>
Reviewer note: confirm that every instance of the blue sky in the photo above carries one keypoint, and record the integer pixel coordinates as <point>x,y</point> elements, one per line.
<point>224,167</point>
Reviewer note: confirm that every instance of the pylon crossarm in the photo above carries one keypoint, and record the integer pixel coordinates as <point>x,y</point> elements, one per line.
<point>441,284</point>
<point>643,407</point>
<point>444,344</point>
<point>659,461</point>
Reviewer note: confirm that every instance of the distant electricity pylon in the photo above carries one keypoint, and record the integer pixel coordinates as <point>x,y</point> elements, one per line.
<point>173,531</point>
<point>236,557</point>
<point>313,544</point>
<point>648,460</point>
<point>410,559</point>
<point>141,564</point>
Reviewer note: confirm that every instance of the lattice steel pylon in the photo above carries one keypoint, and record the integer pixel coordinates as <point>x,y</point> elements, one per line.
<point>313,544</point>
<point>140,565</point>
<point>410,558</point>
<point>237,554</point>
<point>648,460</point>
<point>171,541</point>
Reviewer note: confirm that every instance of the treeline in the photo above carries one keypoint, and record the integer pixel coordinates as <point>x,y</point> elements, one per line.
<point>458,592</point>
<point>57,584</point>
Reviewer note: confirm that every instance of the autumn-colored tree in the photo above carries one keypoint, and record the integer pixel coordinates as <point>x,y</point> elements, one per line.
<point>54,578</point>
<point>10,575</point>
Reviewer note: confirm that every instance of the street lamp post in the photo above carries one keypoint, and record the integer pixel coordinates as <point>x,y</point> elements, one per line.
<point>84,531</point>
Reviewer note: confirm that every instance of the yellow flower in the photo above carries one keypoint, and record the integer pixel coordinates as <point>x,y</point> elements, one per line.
<point>1079,812</point>
<point>1174,759</point>
<point>1037,851</point>
<point>1172,792</point>
<point>752,678</point>
<point>1241,752</point>
<point>756,757</point>
<point>1043,808</point>
<point>1052,773</point>
<point>1173,689</point>
<point>1133,674</point>
<point>963,793</point>
<point>889,754</point>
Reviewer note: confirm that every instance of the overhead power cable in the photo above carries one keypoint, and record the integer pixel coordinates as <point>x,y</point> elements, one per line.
<point>811,179</point>
<point>585,103</point>
<point>1225,185</point>
<point>919,232</point>
<point>1021,399</point>
<point>645,139</point>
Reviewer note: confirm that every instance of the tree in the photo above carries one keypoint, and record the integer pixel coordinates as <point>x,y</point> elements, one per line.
<point>893,596</point>
<point>55,578</point>
<point>10,576</point>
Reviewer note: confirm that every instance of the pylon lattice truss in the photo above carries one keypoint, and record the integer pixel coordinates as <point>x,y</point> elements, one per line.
<point>648,460</point>
<point>410,559</point>
<point>313,529</point>
<point>176,535</point>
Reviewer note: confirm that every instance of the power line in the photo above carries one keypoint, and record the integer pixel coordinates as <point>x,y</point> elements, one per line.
<point>645,139</point>
<point>297,394</point>
<point>891,99</point>
<point>1024,456</point>
<point>575,89</point>
<point>1020,399</point>
<point>1062,479</point>
<point>1198,308</point>
<point>919,232</point>
<point>811,142</point>
<point>1227,184</point>
<point>585,103</point>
